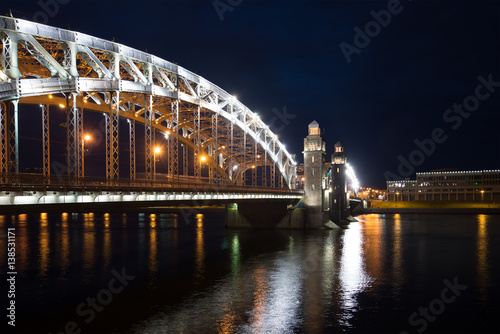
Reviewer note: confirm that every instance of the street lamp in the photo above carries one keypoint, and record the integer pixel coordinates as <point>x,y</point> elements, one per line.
<point>397,195</point>
<point>157,151</point>
<point>482,196</point>
<point>86,138</point>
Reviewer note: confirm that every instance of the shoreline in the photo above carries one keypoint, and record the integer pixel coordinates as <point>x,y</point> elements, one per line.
<point>432,210</point>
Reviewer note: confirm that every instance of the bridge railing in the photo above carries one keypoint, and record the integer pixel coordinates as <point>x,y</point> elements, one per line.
<point>20,182</point>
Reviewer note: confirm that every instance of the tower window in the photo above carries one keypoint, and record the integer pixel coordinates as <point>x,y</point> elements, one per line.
<point>312,186</point>
<point>338,170</point>
<point>312,159</point>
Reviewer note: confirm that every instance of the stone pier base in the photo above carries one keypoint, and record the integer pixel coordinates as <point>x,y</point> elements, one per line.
<point>273,214</point>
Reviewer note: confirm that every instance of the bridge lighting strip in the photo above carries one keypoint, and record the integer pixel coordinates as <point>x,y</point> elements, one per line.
<point>352,177</point>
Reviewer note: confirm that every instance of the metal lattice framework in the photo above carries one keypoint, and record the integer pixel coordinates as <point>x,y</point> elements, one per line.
<point>38,61</point>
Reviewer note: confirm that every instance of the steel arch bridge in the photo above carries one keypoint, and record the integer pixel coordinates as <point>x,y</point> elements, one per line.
<point>44,65</point>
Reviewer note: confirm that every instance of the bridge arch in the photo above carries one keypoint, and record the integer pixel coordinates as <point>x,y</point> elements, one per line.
<point>45,65</point>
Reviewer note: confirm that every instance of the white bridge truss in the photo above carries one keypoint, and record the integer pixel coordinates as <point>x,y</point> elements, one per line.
<point>44,65</point>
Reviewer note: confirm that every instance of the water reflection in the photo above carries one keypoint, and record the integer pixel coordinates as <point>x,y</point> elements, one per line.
<point>373,246</point>
<point>201,279</point>
<point>107,243</point>
<point>482,254</point>
<point>397,261</point>
<point>353,277</point>
<point>22,246</point>
<point>64,243</point>
<point>88,245</point>
<point>43,242</point>
<point>153,248</point>
<point>200,250</point>
<point>235,255</point>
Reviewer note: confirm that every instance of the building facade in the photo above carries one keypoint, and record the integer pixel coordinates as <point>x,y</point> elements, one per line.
<point>451,186</point>
<point>314,174</point>
<point>339,199</point>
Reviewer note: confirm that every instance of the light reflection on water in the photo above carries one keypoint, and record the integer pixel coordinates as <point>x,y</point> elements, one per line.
<point>353,277</point>
<point>196,277</point>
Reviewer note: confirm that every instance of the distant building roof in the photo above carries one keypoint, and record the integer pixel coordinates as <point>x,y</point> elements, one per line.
<point>314,124</point>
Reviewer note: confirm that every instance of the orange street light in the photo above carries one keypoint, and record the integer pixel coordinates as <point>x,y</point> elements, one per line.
<point>87,137</point>
<point>157,150</point>
<point>61,105</point>
<point>203,158</point>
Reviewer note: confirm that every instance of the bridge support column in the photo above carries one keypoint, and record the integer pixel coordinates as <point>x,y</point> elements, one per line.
<point>112,135</point>
<point>131,124</point>
<point>264,171</point>
<point>174,143</point>
<point>148,136</point>
<point>185,161</point>
<point>254,166</point>
<point>9,140</point>
<point>74,140</point>
<point>197,143</point>
<point>214,149</point>
<point>45,143</point>
<point>273,174</point>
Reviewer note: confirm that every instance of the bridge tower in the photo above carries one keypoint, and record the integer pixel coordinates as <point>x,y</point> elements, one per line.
<point>314,176</point>
<point>339,199</point>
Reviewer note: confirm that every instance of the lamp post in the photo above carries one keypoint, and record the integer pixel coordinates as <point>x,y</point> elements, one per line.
<point>86,138</point>
<point>482,196</point>
<point>157,151</point>
<point>203,159</point>
<point>397,195</point>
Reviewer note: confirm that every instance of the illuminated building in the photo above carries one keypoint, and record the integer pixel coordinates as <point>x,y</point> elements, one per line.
<point>452,186</point>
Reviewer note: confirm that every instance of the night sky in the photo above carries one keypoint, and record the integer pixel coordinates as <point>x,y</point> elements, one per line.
<point>278,56</point>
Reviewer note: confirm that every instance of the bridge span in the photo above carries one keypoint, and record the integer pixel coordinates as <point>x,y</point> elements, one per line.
<point>204,129</point>
<point>218,151</point>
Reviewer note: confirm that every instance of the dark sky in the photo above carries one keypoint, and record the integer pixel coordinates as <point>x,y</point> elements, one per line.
<point>274,55</point>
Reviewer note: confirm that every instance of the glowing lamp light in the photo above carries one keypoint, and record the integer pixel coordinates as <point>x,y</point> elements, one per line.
<point>203,158</point>
<point>253,166</point>
<point>87,137</point>
<point>167,133</point>
<point>61,105</point>
<point>157,150</point>
<point>50,96</point>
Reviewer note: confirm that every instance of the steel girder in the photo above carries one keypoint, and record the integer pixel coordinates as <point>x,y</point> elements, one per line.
<point>38,60</point>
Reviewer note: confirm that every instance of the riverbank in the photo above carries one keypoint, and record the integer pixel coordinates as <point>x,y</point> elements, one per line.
<point>432,207</point>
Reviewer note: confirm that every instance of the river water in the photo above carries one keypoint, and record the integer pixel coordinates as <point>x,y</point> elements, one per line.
<point>165,273</point>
